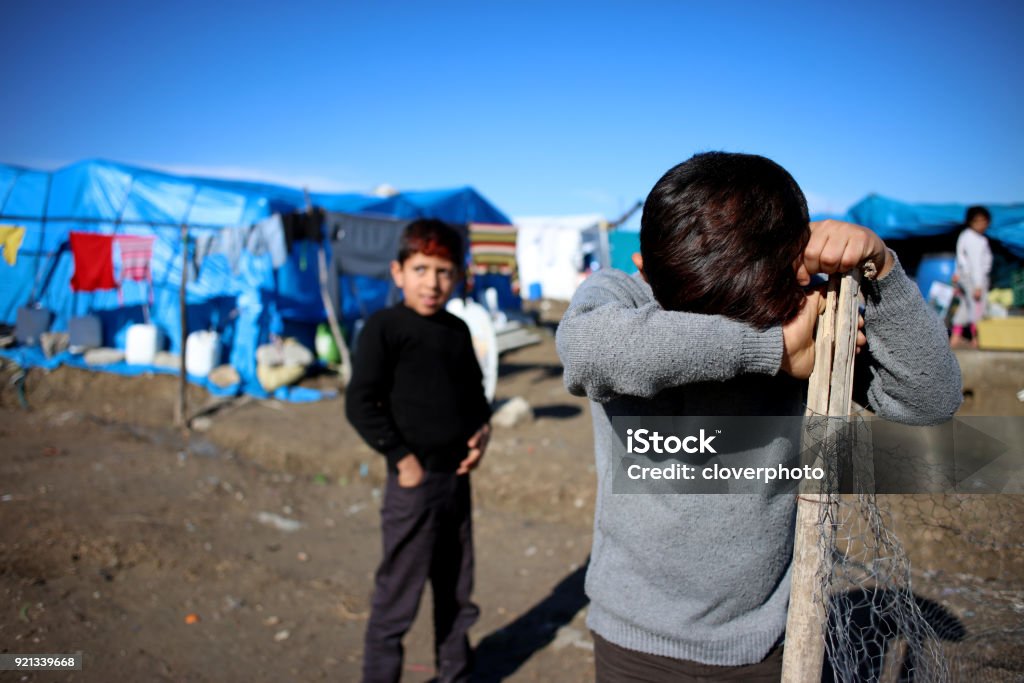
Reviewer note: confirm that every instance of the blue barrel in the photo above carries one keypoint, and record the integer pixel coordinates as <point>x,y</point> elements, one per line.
<point>935,268</point>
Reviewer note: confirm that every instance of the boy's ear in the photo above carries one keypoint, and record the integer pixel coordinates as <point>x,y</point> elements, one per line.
<point>638,261</point>
<point>396,273</point>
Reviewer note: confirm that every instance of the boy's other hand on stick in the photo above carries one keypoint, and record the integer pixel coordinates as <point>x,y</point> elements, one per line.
<point>836,247</point>
<point>798,337</point>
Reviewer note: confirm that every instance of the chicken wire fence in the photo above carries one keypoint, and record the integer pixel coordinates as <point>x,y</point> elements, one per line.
<point>918,587</point>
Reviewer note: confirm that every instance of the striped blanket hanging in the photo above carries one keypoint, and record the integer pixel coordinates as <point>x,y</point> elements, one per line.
<point>492,247</point>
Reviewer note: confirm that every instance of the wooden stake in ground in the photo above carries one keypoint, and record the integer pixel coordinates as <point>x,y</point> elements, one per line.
<point>345,372</point>
<point>829,395</point>
<point>181,418</point>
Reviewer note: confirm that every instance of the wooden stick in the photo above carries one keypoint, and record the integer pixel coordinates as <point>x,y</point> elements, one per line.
<point>332,316</point>
<point>180,416</point>
<point>841,387</point>
<point>830,391</point>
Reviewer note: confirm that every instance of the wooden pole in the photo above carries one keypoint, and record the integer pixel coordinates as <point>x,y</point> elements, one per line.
<point>332,318</point>
<point>180,417</point>
<point>345,373</point>
<point>625,217</point>
<point>829,394</point>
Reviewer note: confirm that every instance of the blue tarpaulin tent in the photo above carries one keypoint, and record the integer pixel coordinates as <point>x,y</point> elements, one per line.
<point>895,220</point>
<point>459,206</point>
<point>244,304</point>
<point>363,292</point>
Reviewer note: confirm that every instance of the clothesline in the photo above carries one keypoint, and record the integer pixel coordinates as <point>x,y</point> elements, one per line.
<point>114,221</point>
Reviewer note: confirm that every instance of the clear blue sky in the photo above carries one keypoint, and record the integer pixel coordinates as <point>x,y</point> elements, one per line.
<point>545,107</point>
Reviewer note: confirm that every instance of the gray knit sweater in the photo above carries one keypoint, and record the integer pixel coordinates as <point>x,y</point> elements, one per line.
<point>706,577</point>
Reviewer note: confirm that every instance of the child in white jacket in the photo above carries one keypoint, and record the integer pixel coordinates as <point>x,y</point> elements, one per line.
<point>973,266</point>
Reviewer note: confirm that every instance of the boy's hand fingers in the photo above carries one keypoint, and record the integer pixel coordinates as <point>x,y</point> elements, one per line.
<point>803,276</point>
<point>410,471</point>
<point>480,438</point>
<point>830,258</point>
<point>798,337</point>
<point>471,461</point>
<point>822,233</point>
<point>410,477</point>
<point>836,247</point>
<point>834,252</point>
<point>477,445</point>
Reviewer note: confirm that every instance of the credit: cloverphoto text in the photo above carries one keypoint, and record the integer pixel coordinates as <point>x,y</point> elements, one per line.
<point>815,454</point>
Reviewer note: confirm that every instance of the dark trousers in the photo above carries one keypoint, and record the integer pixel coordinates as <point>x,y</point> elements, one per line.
<point>614,664</point>
<point>428,534</point>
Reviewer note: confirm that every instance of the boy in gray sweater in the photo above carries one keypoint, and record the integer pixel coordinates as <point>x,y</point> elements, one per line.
<point>718,323</point>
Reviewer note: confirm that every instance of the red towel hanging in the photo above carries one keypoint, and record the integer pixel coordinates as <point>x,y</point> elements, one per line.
<point>94,264</point>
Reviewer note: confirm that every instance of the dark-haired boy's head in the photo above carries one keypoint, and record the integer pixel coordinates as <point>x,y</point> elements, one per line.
<point>431,237</point>
<point>720,234</point>
<point>428,266</point>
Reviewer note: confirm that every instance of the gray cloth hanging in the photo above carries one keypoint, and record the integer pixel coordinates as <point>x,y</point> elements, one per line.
<point>363,245</point>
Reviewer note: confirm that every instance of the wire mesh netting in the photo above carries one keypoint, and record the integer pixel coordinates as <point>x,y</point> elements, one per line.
<point>917,587</point>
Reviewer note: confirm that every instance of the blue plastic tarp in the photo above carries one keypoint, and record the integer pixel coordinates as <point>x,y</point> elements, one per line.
<point>245,304</point>
<point>458,206</point>
<point>893,219</point>
<point>111,198</point>
<point>32,357</point>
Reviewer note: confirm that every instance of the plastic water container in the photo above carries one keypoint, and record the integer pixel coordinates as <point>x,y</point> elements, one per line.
<point>491,299</point>
<point>141,342</point>
<point>202,353</point>
<point>935,268</point>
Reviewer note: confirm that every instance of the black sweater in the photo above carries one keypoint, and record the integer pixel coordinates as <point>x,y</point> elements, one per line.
<point>416,388</point>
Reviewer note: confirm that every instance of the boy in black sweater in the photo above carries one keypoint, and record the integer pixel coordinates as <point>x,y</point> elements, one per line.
<point>416,396</point>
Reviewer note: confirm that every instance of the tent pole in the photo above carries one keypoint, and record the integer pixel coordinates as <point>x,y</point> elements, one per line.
<point>625,217</point>
<point>179,417</point>
<point>332,316</point>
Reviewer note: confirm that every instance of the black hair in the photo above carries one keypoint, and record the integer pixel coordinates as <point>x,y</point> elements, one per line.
<point>431,237</point>
<point>975,211</point>
<point>720,233</point>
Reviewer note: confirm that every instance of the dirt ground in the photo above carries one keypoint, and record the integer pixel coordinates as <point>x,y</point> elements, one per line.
<point>261,528</point>
<point>116,528</point>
